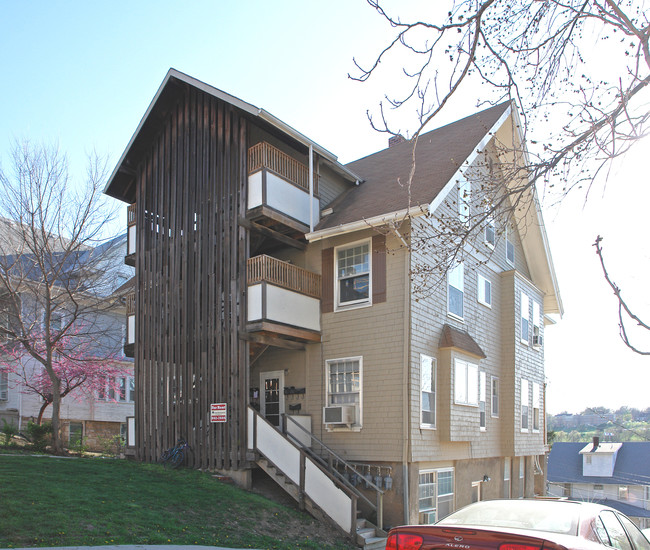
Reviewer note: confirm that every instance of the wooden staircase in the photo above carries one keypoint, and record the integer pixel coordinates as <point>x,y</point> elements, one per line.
<point>316,490</point>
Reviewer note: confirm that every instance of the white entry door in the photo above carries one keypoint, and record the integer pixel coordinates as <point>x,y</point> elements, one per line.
<point>272,396</point>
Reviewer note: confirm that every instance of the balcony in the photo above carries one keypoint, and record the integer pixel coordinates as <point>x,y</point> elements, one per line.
<point>283,300</point>
<point>278,190</point>
<point>129,343</point>
<point>129,259</point>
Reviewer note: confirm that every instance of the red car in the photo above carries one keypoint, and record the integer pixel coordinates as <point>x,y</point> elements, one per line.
<point>524,525</point>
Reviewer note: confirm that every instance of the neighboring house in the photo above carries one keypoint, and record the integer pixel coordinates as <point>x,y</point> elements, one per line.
<point>95,418</point>
<point>272,282</point>
<point>616,474</point>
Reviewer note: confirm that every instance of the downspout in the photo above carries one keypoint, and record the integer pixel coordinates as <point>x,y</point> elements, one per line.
<point>406,361</point>
<point>311,188</point>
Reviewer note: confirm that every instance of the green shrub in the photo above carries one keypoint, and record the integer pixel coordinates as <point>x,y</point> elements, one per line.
<point>40,435</point>
<point>8,430</point>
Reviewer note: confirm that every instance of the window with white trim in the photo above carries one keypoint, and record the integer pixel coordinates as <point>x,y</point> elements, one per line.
<point>536,406</point>
<point>522,476</point>
<point>344,384</point>
<point>524,405</point>
<point>482,394</point>
<point>484,291</point>
<point>510,244</point>
<point>490,232</point>
<point>455,290</point>
<point>428,393</point>
<point>525,318</point>
<point>435,494</point>
<point>353,274</point>
<point>623,492</point>
<point>537,324</point>
<point>464,199</point>
<point>507,465</point>
<point>120,389</point>
<point>465,383</point>
<point>495,397</point>
<point>4,386</point>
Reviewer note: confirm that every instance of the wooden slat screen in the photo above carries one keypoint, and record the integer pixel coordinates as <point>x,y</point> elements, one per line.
<point>130,215</point>
<point>190,269</point>
<point>130,303</point>
<point>283,274</point>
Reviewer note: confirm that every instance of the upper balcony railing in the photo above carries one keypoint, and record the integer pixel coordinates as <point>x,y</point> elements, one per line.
<point>265,155</point>
<point>283,274</point>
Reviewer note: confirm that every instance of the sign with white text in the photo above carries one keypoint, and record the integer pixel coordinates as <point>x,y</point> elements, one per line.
<point>218,412</point>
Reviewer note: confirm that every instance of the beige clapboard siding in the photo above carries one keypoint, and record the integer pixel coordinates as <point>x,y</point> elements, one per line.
<point>377,334</point>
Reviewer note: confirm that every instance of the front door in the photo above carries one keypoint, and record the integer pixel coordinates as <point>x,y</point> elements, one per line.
<point>272,398</point>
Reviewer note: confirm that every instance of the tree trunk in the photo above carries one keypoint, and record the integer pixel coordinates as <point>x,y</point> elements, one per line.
<point>57,443</point>
<point>44,406</point>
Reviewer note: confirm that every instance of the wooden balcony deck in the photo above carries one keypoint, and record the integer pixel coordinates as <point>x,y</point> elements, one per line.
<point>283,274</point>
<point>264,155</point>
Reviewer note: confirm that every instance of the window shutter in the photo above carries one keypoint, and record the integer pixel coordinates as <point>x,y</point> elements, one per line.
<point>378,269</point>
<point>327,278</point>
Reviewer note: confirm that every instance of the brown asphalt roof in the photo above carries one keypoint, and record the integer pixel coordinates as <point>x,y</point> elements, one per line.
<point>455,338</point>
<point>439,154</point>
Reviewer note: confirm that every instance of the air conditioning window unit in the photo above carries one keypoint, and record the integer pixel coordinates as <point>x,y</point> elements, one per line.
<point>339,414</point>
<point>427,518</point>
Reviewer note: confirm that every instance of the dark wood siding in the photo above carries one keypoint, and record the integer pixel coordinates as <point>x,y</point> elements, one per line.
<point>190,272</point>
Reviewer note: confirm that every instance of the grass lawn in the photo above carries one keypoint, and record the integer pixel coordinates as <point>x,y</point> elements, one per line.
<point>48,501</point>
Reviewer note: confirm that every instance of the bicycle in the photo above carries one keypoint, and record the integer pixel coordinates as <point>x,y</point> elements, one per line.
<point>174,457</point>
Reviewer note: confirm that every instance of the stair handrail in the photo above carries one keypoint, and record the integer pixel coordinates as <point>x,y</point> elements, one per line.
<point>378,507</point>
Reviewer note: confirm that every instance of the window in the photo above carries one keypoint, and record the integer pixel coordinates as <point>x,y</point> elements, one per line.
<point>428,383</point>
<point>75,433</point>
<point>507,465</point>
<point>522,476</point>
<point>524,405</point>
<point>482,390</point>
<point>525,318</point>
<point>435,495</point>
<point>495,396</point>
<point>484,291</point>
<point>120,389</point>
<point>623,492</point>
<point>4,325</point>
<point>536,403</point>
<point>466,383</point>
<point>455,289</point>
<point>510,245</point>
<point>537,323</point>
<point>56,321</point>
<point>490,232</point>
<point>464,199</point>
<point>4,386</point>
<point>344,384</point>
<point>353,274</point>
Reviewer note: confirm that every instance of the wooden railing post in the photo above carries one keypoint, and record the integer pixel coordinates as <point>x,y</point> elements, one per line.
<point>380,510</point>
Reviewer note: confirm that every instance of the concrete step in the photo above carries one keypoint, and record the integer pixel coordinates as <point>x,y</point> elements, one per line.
<point>375,543</point>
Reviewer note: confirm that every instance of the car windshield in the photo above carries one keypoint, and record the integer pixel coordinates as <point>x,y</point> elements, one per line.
<point>537,515</point>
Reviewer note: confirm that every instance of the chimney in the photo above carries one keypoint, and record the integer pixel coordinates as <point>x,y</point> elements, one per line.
<point>596,443</point>
<point>394,140</point>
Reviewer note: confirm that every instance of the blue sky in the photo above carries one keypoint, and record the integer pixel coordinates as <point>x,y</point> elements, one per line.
<point>83,73</point>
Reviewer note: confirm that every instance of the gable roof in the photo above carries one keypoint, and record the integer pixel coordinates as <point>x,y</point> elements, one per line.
<point>438,156</point>
<point>120,183</point>
<point>632,464</point>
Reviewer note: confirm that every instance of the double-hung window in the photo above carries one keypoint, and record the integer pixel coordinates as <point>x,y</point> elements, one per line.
<point>4,386</point>
<point>537,323</point>
<point>495,396</point>
<point>353,274</point>
<point>435,495</point>
<point>455,290</point>
<point>525,318</point>
<point>490,232</point>
<point>482,391</point>
<point>510,244</point>
<point>536,406</point>
<point>484,291</point>
<point>344,384</point>
<point>428,383</point>
<point>524,405</point>
<point>465,383</point>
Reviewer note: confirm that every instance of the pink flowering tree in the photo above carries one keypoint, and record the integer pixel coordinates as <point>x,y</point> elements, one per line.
<point>60,325</point>
<point>80,374</point>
